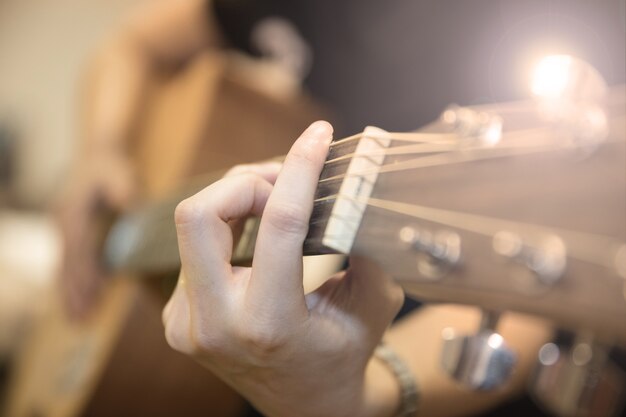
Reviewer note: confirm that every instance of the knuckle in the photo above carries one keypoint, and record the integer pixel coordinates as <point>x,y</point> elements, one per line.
<point>238,170</point>
<point>243,181</point>
<point>262,340</point>
<point>288,218</point>
<point>187,212</point>
<point>175,338</point>
<point>206,342</point>
<point>248,177</point>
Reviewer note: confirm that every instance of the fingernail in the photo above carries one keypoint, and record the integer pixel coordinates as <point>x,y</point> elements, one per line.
<point>322,131</point>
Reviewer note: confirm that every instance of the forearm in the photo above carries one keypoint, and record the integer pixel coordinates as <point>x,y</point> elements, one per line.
<point>116,86</point>
<point>417,340</point>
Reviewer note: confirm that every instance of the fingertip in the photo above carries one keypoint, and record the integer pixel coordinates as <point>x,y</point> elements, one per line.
<point>323,126</point>
<point>313,144</point>
<point>285,220</point>
<point>321,130</point>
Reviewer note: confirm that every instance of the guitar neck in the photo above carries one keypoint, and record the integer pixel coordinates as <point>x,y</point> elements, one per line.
<point>463,211</point>
<point>144,241</point>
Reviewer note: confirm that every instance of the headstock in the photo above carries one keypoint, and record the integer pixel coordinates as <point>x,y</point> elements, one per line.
<point>518,206</point>
<point>534,221</point>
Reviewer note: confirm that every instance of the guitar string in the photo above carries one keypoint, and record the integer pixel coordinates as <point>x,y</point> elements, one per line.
<point>449,158</point>
<point>583,246</point>
<point>399,150</point>
<point>345,140</point>
<point>429,138</point>
<point>472,223</point>
<point>579,243</point>
<point>433,147</point>
<point>511,108</point>
<point>416,137</point>
<point>420,163</point>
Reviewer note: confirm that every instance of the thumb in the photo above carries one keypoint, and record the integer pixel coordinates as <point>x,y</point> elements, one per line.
<point>379,297</point>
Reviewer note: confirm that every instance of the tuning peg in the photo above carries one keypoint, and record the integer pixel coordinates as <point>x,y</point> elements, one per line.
<point>546,258</point>
<point>474,128</point>
<point>438,253</point>
<point>482,361</point>
<point>578,380</point>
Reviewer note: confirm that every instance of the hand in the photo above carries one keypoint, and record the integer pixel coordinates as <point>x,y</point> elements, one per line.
<point>289,354</point>
<point>104,182</point>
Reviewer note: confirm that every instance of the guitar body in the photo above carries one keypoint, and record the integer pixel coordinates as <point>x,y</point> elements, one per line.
<point>116,362</point>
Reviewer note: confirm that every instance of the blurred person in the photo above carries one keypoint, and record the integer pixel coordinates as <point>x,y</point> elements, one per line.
<point>157,39</point>
<point>391,64</point>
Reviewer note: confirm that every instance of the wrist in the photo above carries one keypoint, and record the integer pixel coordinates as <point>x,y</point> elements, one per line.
<point>382,393</point>
<point>392,388</point>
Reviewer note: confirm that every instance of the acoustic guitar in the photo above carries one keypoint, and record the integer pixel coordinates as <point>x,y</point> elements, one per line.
<point>533,222</point>
<point>498,206</point>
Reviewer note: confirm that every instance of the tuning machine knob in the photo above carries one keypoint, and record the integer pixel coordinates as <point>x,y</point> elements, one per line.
<point>578,380</point>
<point>438,252</point>
<point>546,259</point>
<point>482,361</point>
<point>474,128</point>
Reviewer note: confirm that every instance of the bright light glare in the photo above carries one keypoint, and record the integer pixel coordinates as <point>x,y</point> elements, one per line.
<point>552,76</point>
<point>495,341</point>
<point>493,134</point>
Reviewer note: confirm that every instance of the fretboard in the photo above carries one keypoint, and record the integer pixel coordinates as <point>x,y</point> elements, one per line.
<point>145,240</point>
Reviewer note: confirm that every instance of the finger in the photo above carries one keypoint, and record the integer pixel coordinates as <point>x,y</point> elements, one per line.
<point>378,298</point>
<point>204,236</point>
<point>277,265</point>
<point>168,306</point>
<point>177,321</point>
<point>267,170</point>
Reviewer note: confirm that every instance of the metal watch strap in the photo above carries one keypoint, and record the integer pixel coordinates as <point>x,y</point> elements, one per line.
<point>409,394</point>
